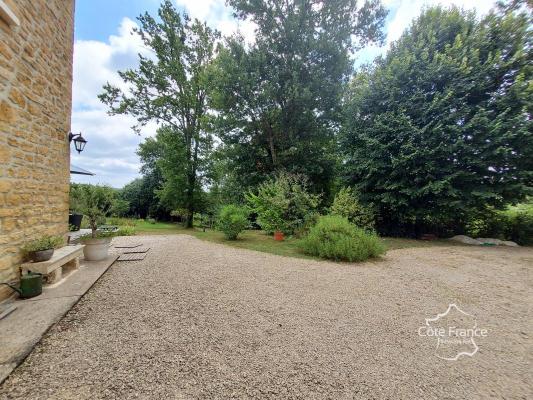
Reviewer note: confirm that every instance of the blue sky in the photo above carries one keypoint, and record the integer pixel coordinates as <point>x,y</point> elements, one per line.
<point>104,44</point>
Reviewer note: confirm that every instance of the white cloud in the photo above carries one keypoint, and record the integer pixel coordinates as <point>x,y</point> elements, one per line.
<point>111,147</point>
<point>403,12</point>
<point>218,15</point>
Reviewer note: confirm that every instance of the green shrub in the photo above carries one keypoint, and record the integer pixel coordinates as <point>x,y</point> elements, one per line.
<point>519,226</point>
<point>515,223</point>
<point>283,204</point>
<point>346,204</point>
<point>44,243</point>
<point>335,238</point>
<point>121,221</point>
<point>76,198</point>
<point>232,220</point>
<point>125,231</point>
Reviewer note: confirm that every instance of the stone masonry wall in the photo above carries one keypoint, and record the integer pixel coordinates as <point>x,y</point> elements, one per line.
<point>35,107</point>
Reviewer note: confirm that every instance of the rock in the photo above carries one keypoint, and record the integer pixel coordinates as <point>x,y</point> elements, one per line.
<point>465,240</point>
<point>510,243</point>
<point>496,242</point>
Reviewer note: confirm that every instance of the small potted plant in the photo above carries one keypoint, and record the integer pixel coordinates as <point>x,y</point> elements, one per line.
<point>98,202</point>
<point>42,249</point>
<point>76,201</point>
<point>279,236</point>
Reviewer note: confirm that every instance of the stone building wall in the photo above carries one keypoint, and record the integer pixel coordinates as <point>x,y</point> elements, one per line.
<point>35,109</point>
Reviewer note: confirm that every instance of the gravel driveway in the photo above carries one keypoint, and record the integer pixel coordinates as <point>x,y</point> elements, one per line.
<point>201,320</point>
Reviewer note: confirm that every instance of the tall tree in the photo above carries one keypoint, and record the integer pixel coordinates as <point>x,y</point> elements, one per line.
<point>441,126</point>
<point>279,98</point>
<point>170,88</point>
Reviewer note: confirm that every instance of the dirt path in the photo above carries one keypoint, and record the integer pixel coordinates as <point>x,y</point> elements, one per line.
<point>200,320</point>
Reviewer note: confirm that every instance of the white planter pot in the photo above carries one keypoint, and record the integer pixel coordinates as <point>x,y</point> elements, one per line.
<point>96,249</point>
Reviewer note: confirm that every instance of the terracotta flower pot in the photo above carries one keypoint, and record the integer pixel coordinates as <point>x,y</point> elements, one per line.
<point>279,236</point>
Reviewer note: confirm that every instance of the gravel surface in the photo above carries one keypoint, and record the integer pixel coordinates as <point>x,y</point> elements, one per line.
<point>200,320</point>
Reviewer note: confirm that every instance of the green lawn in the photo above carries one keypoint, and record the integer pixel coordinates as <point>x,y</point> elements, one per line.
<point>163,228</point>
<point>259,241</point>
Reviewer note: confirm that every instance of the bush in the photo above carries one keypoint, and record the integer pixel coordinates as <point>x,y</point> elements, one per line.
<point>76,198</point>
<point>335,238</point>
<point>121,221</point>
<point>346,204</point>
<point>232,220</point>
<point>283,204</point>
<point>514,223</point>
<point>44,243</point>
<point>125,231</point>
<point>520,224</point>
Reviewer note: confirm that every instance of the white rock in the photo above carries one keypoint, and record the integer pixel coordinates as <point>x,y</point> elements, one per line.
<point>465,240</point>
<point>496,242</point>
<point>510,243</point>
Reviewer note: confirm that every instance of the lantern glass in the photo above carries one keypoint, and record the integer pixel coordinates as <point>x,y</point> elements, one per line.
<point>79,143</point>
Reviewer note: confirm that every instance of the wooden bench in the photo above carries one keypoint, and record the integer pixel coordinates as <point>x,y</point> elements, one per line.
<point>66,259</point>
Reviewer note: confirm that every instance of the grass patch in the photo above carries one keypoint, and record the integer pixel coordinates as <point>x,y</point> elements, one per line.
<point>259,241</point>
<point>161,228</point>
<point>256,240</point>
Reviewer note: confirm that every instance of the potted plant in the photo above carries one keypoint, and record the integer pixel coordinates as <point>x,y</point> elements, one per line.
<point>279,236</point>
<point>42,249</point>
<point>75,206</point>
<point>97,203</point>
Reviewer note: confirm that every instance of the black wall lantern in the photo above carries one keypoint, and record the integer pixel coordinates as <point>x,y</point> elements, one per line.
<point>79,141</point>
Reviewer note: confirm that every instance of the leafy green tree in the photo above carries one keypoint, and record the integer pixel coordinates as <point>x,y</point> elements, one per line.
<point>283,204</point>
<point>279,98</point>
<point>346,204</point>
<point>170,88</point>
<point>97,204</point>
<point>119,207</point>
<point>441,126</point>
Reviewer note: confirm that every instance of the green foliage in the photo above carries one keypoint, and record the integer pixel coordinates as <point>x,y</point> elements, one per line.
<point>97,204</point>
<point>232,220</point>
<point>125,231</point>
<point>440,128</point>
<point>98,235</point>
<point>283,204</point>
<point>43,243</point>
<point>279,98</point>
<point>346,204</point>
<point>76,198</point>
<point>170,89</point>
<point>119,207</point>
<point>515,223</point>
<point>130,222</point>
<point>141,193</point>
<point>335,238</point>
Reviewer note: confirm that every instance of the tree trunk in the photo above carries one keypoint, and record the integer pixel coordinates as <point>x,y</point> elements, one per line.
<point>272,147</point>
